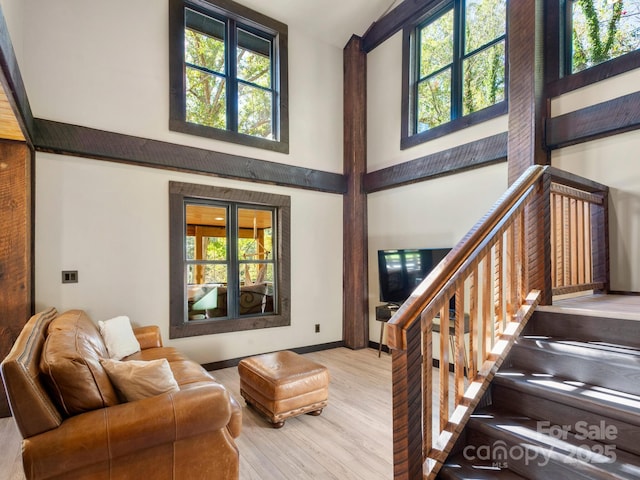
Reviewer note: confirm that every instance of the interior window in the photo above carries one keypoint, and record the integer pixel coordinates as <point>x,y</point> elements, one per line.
<point>230,267</point>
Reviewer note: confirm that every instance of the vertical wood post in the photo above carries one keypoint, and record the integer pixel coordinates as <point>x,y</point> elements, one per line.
<point>355,310</point>
<point>16,254</point>
<point>406,370</point>
<point>525,145</point>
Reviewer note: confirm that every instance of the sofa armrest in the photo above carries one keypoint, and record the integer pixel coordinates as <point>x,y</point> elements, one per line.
<point>148,337</point>
<point>125,429</point>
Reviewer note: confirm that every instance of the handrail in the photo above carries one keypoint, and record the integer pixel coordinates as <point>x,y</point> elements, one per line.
<point>546,235</point>
<point>410,310</point>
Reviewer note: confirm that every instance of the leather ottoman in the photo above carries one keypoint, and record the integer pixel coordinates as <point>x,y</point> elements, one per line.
<point>283,384</point>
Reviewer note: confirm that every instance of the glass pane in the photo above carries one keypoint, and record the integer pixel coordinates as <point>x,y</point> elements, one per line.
<point>255,111</point>
<point>206,299</point>
<point>254,59</point>
<point>483,79</point>
<point>604,30</point>
<point>256,288</point>
<point>434,101</point>
<point>204,41</point>
<point>485,21</point>
<point>207,225</point>
<point>436,44</point>
<point>190,243</point>
<point>255,234</point>
<point>206,99</point>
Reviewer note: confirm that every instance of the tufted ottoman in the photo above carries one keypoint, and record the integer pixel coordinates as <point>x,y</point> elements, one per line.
<point>283,384</point>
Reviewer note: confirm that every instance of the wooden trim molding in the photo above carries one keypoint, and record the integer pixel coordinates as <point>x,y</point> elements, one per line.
<point>619,115</point>
<point>12,84</point>
<point>66,139</point>
<point>480,153</point>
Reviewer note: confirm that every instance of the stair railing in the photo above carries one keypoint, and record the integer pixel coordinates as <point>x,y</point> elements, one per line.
<point>487,277</point>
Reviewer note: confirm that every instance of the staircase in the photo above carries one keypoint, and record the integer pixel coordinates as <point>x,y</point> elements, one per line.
<point>564,405</point>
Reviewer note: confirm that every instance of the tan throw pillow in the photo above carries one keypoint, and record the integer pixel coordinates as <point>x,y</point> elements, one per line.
<point>137,379</point>
<point>118,337</point>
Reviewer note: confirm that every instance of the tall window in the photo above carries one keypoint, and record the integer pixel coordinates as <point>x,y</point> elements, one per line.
<point>228,74</point>
<point>229,264</point>
<point>600,30</point>
<point>457,63</point>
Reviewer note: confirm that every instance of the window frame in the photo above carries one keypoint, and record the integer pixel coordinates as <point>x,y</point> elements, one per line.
<point>235,16</point>
<point>181,194</point>
<point>410,72</point>
<point>560,81</point>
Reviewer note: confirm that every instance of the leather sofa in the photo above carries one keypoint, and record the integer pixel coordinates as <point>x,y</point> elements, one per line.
<point>185,434</point>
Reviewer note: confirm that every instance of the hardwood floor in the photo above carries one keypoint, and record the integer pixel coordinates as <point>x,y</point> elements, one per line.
<point>352,439</point>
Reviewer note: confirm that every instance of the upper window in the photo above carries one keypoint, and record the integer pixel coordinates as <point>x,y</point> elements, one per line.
<point>228,74</point>
<point>600,30</point>
<point>456,61</point>
<point>229,262</point>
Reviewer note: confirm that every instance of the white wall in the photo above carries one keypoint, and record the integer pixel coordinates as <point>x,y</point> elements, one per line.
<point>432,214</point>
<point>110,222</point>
<point>13,12</point>
<point>105,65</point>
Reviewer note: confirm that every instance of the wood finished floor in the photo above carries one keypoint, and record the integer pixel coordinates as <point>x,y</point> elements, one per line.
<point>352,439</point>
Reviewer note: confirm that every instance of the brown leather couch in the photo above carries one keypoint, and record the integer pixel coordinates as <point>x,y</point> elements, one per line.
<point>188,434</point>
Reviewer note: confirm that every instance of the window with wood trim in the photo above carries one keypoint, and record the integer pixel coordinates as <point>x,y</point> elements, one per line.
<point>455,62</point>
<point>229,259</point>
<point>228,73</point>
<point>597,31</point>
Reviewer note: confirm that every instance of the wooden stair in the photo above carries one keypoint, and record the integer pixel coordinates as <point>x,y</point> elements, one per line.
<point>564,405</point>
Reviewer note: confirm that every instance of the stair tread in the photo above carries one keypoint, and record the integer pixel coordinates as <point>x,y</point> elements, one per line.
<point>584,455</point>
<point>458,467</point>
<point>609,352</point>
<point>606,401</point>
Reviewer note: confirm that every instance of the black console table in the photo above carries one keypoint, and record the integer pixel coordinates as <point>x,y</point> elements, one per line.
<point>383,314</point>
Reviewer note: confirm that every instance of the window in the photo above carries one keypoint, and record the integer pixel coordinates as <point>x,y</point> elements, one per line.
<point>229,260</point>
<point>599,30</point>
<point>455,57</point>
<point>228,74</point>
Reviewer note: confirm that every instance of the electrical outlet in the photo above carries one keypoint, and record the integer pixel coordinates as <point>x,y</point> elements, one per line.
<point>69,276</point>
<point>317,328</point>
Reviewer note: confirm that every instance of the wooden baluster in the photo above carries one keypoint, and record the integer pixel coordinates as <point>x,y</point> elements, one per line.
<point>427,379</point>
<point>497,288</point>
<point>566,243</point>
<point>459,346</point>
<point>581,279</point>
<point>573,226</point>
<point>511,286</point>
<point>473,322</point>
<point>485,322</point>
<point>588,271</point>
<point>444,366</point>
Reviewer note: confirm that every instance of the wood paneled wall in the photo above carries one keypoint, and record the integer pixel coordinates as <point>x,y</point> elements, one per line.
<point>16,253</point>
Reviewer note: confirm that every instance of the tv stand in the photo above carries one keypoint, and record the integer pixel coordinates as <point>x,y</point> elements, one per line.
<point>383,314</point>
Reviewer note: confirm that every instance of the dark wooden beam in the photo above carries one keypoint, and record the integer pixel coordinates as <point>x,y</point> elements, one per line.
<point>527,110</point>
<point>11,81</point>
<point>66,139</point>
<point>471,155</point>
<point>619,115</point>
<point>355,309</point>
<point>393,22</point>
<point>16,247</point>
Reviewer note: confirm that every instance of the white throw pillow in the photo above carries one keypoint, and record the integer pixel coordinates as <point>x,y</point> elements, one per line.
<point>137,379</point>
<point>118,337</point>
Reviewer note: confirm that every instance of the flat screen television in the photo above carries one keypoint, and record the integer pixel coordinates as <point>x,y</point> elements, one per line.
<point>401,271</point>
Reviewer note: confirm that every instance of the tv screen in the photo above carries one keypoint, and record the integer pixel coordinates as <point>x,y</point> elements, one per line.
<point>401,271</point>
